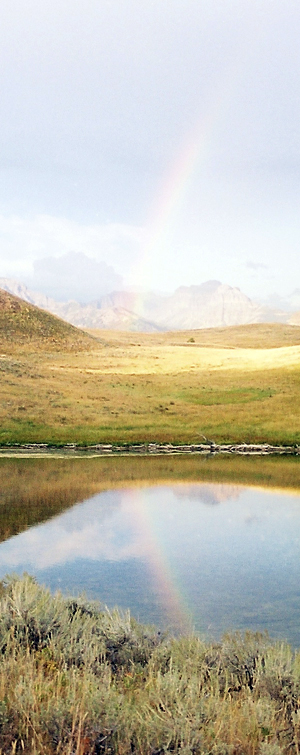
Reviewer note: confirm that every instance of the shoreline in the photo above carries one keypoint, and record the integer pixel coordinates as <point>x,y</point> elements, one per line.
<point>148,449</point>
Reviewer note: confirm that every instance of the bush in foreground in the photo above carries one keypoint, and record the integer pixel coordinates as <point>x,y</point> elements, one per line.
<point>76,679</point>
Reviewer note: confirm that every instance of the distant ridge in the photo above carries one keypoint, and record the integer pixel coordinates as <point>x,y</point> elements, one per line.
<point>23,323</point>
<point>209,305</point>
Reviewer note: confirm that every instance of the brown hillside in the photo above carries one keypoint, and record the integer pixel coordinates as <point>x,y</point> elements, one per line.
<point>24,324</point>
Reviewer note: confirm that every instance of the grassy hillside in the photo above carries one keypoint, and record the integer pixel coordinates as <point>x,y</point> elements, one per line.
<point>59,385</point>
<point>22,324</point>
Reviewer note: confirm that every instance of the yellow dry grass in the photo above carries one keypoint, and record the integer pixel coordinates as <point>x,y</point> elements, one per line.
<point>162,359</point>
<point>170,387</point>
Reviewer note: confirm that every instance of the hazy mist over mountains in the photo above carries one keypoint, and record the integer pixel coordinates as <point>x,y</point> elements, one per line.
<point>90,294</point>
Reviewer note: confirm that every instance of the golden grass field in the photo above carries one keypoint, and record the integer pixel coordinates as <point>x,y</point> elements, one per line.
<point>238,384</point>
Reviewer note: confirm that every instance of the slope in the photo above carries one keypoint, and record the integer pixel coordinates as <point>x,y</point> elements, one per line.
<point>24,324</point>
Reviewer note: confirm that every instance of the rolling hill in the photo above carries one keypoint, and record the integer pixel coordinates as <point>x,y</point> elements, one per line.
<point>22,323</point>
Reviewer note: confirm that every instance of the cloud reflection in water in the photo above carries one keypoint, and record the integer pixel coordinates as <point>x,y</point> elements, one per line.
<point>235,564</point>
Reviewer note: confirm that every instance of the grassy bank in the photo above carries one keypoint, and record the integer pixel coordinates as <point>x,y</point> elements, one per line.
<point>231,385</point>
<point>75,678</point>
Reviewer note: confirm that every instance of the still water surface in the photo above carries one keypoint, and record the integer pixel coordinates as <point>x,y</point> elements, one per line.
<point>209,556</point>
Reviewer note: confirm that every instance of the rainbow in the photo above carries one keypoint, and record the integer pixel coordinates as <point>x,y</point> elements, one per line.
<point>173,190</point>
<point>175,607</point>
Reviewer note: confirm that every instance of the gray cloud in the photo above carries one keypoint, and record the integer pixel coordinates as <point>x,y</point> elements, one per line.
<point>74,276</point>
<point>256,265</point>
<point>23,240</point>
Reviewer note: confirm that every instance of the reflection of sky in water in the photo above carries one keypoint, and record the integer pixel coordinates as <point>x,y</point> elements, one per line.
<point>218,556</point>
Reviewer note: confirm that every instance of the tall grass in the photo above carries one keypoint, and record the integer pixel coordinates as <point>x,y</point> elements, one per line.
<point>76,678</point>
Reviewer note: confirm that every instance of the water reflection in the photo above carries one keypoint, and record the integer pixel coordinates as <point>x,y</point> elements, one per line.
<point>215,556</point>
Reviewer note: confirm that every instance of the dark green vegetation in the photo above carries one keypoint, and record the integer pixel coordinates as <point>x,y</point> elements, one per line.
<point>75,678</point>
<point>32,490</point>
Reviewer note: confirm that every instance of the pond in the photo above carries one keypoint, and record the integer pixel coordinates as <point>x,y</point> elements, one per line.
<point>184,554</point>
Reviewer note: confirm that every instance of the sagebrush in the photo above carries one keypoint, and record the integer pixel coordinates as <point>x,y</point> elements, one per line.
<point>77,678</point>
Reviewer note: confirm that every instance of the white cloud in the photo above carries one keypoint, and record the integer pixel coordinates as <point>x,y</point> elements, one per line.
<point>85,531</point>
<point>24,240</point>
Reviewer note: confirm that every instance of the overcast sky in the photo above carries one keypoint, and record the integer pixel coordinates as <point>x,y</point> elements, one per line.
<point>161,137</point>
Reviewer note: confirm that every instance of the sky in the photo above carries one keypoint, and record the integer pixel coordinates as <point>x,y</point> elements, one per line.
<point>161,139</point>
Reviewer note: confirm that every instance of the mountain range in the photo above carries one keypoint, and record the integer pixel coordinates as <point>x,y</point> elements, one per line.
<point>211,304</point>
